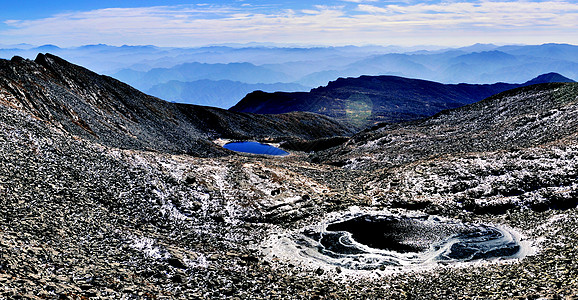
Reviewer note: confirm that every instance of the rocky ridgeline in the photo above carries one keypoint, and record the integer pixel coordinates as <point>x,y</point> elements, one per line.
<point>368,100</point>
<point>104,110</point>
<point>519,118</point>
<point>96,216</point>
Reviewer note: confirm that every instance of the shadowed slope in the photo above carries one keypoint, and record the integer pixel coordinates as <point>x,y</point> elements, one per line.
<point>108,111</point>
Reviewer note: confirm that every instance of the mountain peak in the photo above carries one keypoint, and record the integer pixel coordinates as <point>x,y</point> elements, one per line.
<point>549,77</point>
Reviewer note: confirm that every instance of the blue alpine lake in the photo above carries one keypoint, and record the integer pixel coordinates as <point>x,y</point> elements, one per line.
<point>255,148</point>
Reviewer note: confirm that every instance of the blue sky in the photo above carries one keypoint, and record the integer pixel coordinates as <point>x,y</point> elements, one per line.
<point>337,22</point>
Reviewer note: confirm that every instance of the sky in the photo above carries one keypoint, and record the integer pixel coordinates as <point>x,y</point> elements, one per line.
<point>176,23</point>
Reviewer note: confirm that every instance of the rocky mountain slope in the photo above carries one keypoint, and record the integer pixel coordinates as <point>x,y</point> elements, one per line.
<point>367,100</point>
<point>83,218</point>
<point>102,109</point>
<point>510,138</point>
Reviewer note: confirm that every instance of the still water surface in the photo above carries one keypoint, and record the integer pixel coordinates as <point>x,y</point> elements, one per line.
<point>255,148</point>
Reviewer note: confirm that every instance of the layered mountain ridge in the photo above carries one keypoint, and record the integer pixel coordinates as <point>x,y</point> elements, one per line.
<point>221,93</point>
<point>367,100</point>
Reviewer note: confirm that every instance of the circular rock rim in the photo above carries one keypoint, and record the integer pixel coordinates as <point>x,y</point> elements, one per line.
<point>302,247</point>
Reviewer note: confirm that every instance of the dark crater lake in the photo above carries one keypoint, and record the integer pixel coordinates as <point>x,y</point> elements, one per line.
<point>368,242</point>
<point>255,148</point>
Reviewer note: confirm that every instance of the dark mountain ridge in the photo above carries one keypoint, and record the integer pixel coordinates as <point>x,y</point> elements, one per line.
<point>514,119</point>
<point>367,100</point>
<point>105,110</point>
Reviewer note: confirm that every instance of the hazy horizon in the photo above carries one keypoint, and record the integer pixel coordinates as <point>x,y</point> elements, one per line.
<point>424,47</point>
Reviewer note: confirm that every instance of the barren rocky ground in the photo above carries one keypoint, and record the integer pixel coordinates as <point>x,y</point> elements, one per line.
<point>82,217</point>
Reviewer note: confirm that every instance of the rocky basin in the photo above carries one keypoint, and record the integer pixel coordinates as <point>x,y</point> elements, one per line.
<point>361,242</point>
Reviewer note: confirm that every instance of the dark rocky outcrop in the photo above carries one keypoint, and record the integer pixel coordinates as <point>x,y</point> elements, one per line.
<point>314,145</point>
<point>367,100</point>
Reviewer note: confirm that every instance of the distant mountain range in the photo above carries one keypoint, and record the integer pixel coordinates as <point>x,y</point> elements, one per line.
<point>502,64</point>
<point>368,100</point>
<point>145,67</point>
<point>244,72</point>
<point>221,93</point>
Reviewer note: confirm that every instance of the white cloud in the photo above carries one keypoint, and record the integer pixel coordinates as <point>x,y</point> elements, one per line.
<point>373,9</point>
<point>359,1</point>
<point>446,23</point>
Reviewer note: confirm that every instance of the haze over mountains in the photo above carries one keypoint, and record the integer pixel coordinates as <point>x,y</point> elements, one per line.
<point>218,93</point>
<point>151,68</point>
